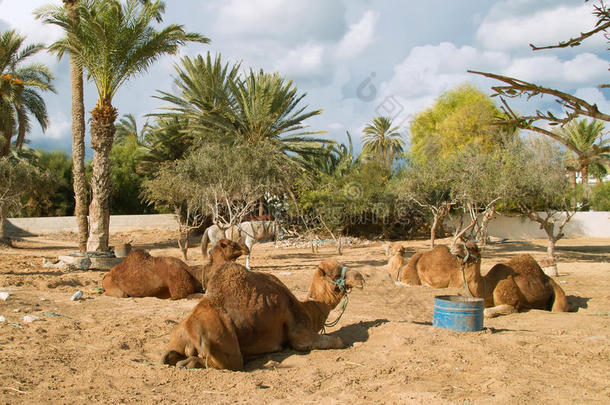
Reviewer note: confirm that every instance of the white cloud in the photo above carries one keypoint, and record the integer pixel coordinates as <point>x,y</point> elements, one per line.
<point>545,27</point>
<point>593,95</point>
<point>431,70</point>
<point>300,20</point>
<point>302,61</point>
<point>22,18</point>
<point>359,36</point>
<point>59,126</point>
<point>585,68</point>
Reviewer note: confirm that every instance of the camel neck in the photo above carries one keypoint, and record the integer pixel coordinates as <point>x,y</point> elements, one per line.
<point>474,280</point>
<point>320,301</point>
<point>317,311</point>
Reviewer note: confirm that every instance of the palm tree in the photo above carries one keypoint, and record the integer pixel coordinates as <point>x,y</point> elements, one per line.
<point>258,108</point>
<point>383,140</point>
<point>580,137</point>
<point>114,42</point>
<point>19,89</point>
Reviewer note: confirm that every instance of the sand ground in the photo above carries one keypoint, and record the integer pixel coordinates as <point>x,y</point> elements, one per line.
<point>106,350</point>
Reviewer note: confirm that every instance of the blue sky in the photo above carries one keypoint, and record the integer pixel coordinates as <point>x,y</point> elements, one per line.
<point>355,59</point>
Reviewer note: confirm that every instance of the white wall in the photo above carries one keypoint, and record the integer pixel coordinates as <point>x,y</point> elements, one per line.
<point>583,224</point>
<point>47,225</point>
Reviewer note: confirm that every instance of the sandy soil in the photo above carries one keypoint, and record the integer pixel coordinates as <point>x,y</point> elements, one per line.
<point>106,350</point>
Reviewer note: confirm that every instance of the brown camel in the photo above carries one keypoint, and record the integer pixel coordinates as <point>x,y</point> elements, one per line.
<point>245,313</point>
<point>142,275</point>
<point>519,284</point>
<point>397,260</point>
<point>440,268</point>
<point>508,287</point>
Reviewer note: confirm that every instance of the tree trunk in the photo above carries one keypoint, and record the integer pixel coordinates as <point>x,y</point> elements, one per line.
<point>3,238</point>
<point>572,179</point>
<point>550,250</point>
<point>482,236</point>
<point>184,247</point>
<point>550,270</point>
<point>102,136</point>
<point>585,183</point>
<point>433,229</point>
<point>78,144</point>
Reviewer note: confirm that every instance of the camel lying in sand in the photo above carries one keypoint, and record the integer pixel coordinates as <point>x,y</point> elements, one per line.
<point>519,284</point>
<point>245,313</point>
<point>440,268</point>
<point>508,287</point>
<point>397,260</point>
<point>142,275</point>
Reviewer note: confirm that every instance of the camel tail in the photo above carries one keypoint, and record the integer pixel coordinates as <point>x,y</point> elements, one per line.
<point>408,274</point>
<point>560,301</point>
<point>204,243</point>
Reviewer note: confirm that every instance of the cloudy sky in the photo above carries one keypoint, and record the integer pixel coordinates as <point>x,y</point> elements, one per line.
<point>355,59</point>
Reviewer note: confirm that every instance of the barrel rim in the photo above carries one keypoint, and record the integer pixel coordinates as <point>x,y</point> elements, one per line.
<point>458,299</point>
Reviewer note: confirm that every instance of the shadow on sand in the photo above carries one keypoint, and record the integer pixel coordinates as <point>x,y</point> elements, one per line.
<point>358,332</point>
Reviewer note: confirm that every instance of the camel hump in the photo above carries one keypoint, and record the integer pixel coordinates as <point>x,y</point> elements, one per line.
<point>560,301</point>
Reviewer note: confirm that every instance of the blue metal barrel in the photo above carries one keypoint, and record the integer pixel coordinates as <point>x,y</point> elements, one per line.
<point>464,314</point>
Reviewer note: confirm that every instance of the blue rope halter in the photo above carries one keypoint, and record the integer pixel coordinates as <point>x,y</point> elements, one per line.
<point>340,282</point>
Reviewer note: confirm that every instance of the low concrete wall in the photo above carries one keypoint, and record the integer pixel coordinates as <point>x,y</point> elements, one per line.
<point>583,224</point>
<point>48,225</point>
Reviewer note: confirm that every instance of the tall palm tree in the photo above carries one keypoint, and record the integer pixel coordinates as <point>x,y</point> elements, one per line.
<point>584,139</point>
<point>258,108</point>
<point>78,138</point>
<point>114,41</point>
<point>383,140</point>
<point>19,89</point>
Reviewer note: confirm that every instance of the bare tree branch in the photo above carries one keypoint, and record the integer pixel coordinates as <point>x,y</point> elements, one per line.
<point>573,41</point>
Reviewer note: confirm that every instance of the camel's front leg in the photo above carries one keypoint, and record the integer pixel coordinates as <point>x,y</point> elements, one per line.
<point>304,340</point>
<point>498,310</point>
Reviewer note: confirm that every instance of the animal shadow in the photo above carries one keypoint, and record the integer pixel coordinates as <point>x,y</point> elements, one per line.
<point>350,334</point>
<point>357,332</point>
<point>577,302</point>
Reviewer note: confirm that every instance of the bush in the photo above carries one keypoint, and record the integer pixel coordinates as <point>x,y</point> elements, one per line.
<point>600,199</point>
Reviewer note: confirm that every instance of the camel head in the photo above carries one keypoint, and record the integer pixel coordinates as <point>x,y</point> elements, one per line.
<point>338,277</point>
<point>398,250</point>
<point>227,250</point>
<point>467,252</point>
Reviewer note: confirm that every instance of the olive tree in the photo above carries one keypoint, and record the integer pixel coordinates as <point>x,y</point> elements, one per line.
<point>17,178</point>
<point>541,191</point>
<point>220,182</point>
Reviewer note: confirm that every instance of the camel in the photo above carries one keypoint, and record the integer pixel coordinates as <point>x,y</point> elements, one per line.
<point>508,287</point>
<point>142,275</point>
<point>519,284</point>
<point>441,268</point>
<point>397,260</point>
<point>246,313</point>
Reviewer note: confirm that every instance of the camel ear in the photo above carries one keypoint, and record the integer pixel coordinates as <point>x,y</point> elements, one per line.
<point>327,267</point>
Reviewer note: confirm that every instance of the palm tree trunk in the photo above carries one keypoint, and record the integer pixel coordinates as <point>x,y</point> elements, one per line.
<point>102,136</point>
<point>3,214</point>
<point>78,142</point>
<point>584,172</point>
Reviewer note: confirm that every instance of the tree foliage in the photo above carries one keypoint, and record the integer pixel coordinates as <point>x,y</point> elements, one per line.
<point>20,87</point>
<point>257,107</point>
<point>460,118</point>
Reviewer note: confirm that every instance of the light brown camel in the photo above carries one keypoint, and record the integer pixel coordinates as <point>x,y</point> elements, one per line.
<point>508,287</point>
<point>519,284</point>
<point>397,260</point>
<point>142,275</point>
<point>246,313</point>
<point>441,268</point>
